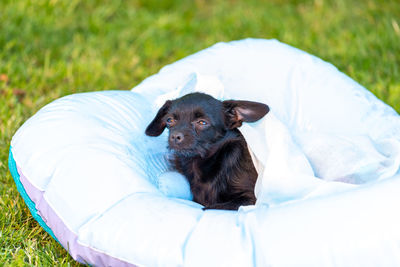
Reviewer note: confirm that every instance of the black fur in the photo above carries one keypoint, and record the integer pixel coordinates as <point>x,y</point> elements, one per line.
<point>208,149</point>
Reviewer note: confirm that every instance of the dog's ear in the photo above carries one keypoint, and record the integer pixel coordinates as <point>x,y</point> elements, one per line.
<point>238,111</point>
<point>157,126</point>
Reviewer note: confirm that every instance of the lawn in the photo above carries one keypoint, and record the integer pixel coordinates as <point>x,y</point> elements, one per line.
<point>49,49</point>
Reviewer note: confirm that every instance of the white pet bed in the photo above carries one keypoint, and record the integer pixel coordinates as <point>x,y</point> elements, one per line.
<point>327,154</point>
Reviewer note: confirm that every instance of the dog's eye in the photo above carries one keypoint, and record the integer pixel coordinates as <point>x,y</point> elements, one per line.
<point>202,122</point>
<point>170,122</point>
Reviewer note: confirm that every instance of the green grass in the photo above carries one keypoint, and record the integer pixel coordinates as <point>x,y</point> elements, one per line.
<point>49,49</point>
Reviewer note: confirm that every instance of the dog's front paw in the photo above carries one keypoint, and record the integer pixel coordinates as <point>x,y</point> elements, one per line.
<point>223,206</point>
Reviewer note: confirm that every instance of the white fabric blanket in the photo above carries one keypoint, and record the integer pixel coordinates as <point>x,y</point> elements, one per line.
<point>297,157</point>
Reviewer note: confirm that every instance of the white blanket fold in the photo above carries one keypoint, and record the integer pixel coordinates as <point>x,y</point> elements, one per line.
<point>294,159</point>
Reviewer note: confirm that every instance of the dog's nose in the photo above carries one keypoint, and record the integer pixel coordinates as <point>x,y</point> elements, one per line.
<point>176,137</point>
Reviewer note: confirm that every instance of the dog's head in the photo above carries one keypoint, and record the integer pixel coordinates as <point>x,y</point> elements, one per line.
<point>197,121</point>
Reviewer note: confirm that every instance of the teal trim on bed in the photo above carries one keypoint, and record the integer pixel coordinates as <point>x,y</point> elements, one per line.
<point>31,205</point>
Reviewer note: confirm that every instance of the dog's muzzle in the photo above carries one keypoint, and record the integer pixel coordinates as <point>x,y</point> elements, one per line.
<point>176,138</point>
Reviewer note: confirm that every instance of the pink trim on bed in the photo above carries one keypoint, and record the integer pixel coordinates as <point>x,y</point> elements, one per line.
<point>67,238</point>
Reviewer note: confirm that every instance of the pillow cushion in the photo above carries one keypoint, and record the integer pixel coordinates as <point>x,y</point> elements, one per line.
<point>327,155</point>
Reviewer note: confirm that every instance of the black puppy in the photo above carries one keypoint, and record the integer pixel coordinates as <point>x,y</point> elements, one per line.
<point>208,149</point>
